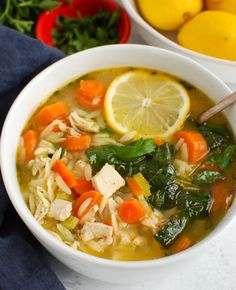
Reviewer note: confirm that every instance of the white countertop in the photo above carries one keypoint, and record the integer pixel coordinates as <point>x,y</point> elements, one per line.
<point>214,270</point>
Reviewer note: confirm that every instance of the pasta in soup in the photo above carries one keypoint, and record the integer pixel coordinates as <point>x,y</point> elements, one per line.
<point>115,165</point>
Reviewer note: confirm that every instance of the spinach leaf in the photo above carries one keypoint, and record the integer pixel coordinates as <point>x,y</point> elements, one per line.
<point>192,206</point>
<point>195,204</point>
<point>158,161</point>
<point>164,153</point>
<point>222,157</point>
<point>113,154</point>
<point>148,167</point>
<point>99,155</point>
<point>170,231</point>
<point>208,127</point>
<point>165,192</point>
<point>215,136</point>
<point>207,177</point>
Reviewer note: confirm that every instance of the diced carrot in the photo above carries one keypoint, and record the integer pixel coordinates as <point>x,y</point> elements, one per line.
<point>220,191</point>
<point>52,112</point>
<point>209,167</point>
<point>130,211</point>
<point>78,143</point>
<point>31,141</point>
<point>181,244</point>
<point>90,94</point>
<point>134,186</point>
<point>197,145</point>
<point>60,168</point>
<point>158,141</point>
<point>82,186</point>
<point>96,198</point>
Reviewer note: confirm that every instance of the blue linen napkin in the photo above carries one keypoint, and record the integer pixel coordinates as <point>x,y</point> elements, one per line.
<point>22,263</point>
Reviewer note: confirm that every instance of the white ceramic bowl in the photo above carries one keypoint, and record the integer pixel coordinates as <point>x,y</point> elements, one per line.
<point>57,76</point>
<point>224,69</point>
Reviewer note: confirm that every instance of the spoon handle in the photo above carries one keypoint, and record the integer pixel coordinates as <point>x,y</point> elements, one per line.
<point>226,102</point>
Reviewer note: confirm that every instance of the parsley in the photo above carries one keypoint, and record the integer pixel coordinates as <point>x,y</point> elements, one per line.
<point>73,35</point>
<point>22,15</point>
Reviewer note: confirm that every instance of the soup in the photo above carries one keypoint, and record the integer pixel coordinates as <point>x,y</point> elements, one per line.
<point>150,192</point>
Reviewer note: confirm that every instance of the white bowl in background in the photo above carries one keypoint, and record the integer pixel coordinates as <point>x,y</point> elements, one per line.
<point>55,77</point>
<point>225,69</point>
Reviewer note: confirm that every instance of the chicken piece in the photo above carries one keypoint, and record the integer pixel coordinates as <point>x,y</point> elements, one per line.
<point>95,230</point>
<point>90,215</point>
<point>150,221</point>
<point>60,209</point>
<point>107,180</point>
<point>125,238</point>
<point>79,123</point>
<point>105,242</point>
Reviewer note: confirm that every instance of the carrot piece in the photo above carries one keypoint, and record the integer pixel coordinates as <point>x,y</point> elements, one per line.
<point>96,198</point>
<point>90,94</point>
<point>158,141</point>
<point>181,244</point>
<point>52,112</point>
<point>209,167</point>
<point>130,211</point>
<point>60,168</point>
<point>82,186</point>
<point>134,186</point>
<point>219,193</point>
<point>31,141</point>
<point>197,145</point>
<point>78,143</point>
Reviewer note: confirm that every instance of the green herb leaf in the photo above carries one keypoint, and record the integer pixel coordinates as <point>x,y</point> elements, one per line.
<point>195,204</point>
<point>207,177</point>
<point>114,154</point>
<point>222,157</point>
<point>72,35</point>
<point>22,15</point>
<point>171,230</point>
<point>192,206</point>
<point>165,192</point>
<point>136,149</point>
<point>215,136</point>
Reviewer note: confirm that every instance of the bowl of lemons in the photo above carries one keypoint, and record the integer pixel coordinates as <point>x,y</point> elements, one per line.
<point>204,30</point>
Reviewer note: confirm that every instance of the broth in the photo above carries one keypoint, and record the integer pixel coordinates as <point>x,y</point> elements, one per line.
<point>137,241</point>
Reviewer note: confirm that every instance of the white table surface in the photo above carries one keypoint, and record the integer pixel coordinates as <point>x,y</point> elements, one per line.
<point>214,270</point>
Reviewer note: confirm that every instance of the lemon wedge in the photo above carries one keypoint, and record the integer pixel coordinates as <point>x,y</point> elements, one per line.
<point>152,104</point>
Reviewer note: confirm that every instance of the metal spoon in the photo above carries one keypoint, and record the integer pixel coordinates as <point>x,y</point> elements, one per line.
<point>226,102</point>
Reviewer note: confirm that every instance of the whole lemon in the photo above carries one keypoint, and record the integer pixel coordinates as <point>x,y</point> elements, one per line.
<point>168,14</point>
<point>223,5</point>
<point>212,33</point>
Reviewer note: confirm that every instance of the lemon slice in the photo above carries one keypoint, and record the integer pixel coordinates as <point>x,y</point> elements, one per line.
<point>153,105</point>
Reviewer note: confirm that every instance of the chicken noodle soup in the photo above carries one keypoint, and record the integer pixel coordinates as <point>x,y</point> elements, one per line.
<point>115,165</point>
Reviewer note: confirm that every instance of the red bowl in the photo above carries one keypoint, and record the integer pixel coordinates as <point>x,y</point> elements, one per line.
<point>46,20</point>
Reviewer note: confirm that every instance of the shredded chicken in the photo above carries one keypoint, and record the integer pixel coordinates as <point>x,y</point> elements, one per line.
<point>78,123</point>
<point>95,230</point>
<point>60,209</point>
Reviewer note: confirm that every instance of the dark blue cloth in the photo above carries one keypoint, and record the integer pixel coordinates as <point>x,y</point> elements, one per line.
<point>23,265</point>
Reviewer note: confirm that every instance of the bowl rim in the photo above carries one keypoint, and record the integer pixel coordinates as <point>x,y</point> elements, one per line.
<point>138,18</point>
<point>61,247</point>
